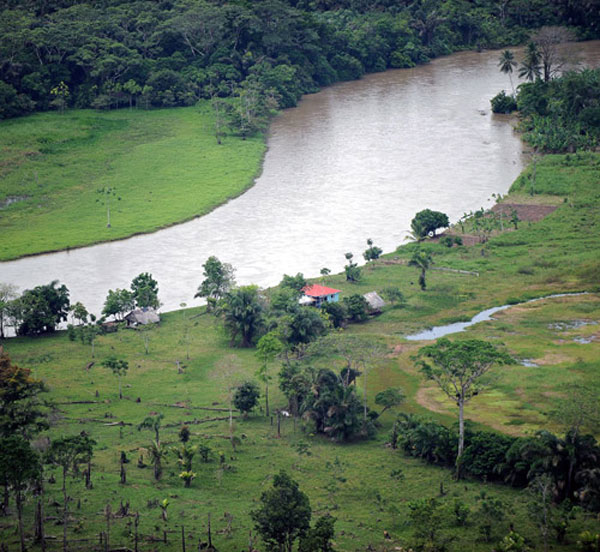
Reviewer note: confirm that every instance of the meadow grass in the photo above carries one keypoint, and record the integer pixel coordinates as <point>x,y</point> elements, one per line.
<point>164,164</point>
<point>352,481</point>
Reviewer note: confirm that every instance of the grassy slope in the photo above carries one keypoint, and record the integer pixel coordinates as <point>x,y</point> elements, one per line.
<point>165,165</point>
<point>559,254</point>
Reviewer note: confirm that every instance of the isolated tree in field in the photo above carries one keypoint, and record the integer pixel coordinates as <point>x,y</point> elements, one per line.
<point>22,409</point>
<point>267,348</point>
<point>106,193</point>
<point>507,63</point>
<point>153,423</point>
<point>20,468</point>
<point>67,453</point>
<point>458,368</point>
<point>79,313</point>
<point>218,280</point>
<point>119,368</point>
<point>157,453</point>
<point>245,397</point>
<point>145,291</point>
<point>242,310</point>
<point>324,272</point>
<point>228,369</point>
<point>372,252</point>
<point>422,260</point>
<point>118,303</point>
<point>283,515</point>
<point>8,293</point>
<point>392,295</point>
<point>389,398</point>
<point>352,270</point>
<point>426,222</point>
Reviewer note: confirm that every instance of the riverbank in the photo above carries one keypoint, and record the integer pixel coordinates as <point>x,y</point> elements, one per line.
<point>557,339</point>
<point>164,166</point>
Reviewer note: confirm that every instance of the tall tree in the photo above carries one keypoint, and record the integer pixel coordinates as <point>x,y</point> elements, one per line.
<point>118,302</point>
<point>242,310</point>
<point>20,468</point>
<point>283,515</point>
<point>422,260</point>
<point>458,368</point>
<point>153,423</point>
<point>507,63</point>
<point>267,348</point>
<point>119,368</point>
<point>218,280</point>
<point>530,66</point>
<point>22,409</point>
<point>8,292</point>
<point>547,41</point>
<point>145,291</point>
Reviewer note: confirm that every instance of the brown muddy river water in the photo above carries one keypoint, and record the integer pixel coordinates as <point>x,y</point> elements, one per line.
<point>352,162</point>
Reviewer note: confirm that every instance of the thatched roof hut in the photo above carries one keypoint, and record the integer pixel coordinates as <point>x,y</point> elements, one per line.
<point>376,303</point>
<point>141,317</point>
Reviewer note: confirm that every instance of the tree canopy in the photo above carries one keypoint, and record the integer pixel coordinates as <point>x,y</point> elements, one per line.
<point>84,53</point>
<point>426,222</point>
<point>458,368</point>
<point>283,515</point>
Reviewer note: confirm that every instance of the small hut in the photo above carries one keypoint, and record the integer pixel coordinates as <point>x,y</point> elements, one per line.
<point>142,317</point>
<point>376,303</point>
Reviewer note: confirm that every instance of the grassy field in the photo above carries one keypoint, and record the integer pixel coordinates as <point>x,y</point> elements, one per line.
<point>561,337</point>
<point>164,164</point>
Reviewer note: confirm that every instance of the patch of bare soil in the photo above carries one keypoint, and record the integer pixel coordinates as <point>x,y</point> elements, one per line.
<point>552,358</point>
<point>525,212</point>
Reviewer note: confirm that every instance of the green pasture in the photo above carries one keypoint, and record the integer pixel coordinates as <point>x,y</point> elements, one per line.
<point>164,164</point>
<point>561,337</point>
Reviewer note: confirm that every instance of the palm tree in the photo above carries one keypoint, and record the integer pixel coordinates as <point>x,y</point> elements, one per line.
<point>242,311</point>
<point>506,64</point>
<point>152,422</point>
<point>530,66</point>
<point>421,259</point>
<point>157,453</point>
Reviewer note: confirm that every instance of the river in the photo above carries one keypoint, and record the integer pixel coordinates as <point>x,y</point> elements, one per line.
<point>354,161</point>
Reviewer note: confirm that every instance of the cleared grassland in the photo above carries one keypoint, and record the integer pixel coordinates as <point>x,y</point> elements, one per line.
<point>165,166</point>
<point>352,481</point>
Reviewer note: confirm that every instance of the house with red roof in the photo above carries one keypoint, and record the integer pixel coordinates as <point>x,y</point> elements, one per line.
<point>316,295</point>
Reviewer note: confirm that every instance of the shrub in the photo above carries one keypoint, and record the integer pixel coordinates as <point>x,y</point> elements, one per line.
<point>501,103</point>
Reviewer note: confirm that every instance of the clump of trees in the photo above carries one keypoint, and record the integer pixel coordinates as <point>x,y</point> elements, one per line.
<point>559,107</point>
<point>569,461</point>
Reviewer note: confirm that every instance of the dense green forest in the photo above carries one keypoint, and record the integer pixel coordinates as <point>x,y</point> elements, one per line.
<point>110,53</point>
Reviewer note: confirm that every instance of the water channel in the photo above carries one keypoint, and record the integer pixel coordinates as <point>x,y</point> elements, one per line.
<point>354,161</point>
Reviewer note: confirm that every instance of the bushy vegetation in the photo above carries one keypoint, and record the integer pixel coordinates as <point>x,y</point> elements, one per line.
<point>569,460</point>
<point>502,103</point>
<point>94,54</point>
<point>562,114</point>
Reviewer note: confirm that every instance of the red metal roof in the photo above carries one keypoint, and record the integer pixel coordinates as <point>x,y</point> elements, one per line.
<point>315,290</point>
